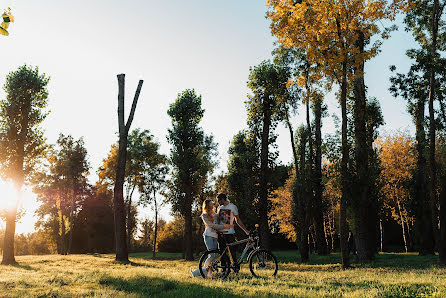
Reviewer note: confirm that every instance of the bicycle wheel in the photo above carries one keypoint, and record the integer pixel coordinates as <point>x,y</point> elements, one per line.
<point>263,263</point>
<point>214,265</point>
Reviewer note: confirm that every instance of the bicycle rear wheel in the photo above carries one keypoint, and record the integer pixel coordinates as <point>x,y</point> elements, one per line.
<point>263,263</point>
<point>214,265</point>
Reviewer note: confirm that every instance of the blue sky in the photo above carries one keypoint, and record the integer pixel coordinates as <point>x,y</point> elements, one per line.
<point>173,45</point>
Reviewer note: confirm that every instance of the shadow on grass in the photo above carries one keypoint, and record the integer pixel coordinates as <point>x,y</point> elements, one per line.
<point>24,267</point>
<point>291,260</point>
<point>161,256</point>
<point>154,287</point>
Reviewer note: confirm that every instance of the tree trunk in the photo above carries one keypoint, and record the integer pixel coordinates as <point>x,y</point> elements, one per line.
<point>381,234</point>
<point>302,205</point>
<point>321,240</point>
<point>403,226</point>
<point>188,228</point>
<point>432,129</point>
<point>345,258</point>
<point>362,204</point>
<point>423,224</point>
<point>156,226</point>
<point>442,246</point>
<point>264,173</point>
<point>8,241</point>
<point>70,241</point>
<point>130,222</point>
<point>118,194</point>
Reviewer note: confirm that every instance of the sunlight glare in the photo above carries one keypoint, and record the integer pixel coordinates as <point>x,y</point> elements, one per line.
<point>7,195</point>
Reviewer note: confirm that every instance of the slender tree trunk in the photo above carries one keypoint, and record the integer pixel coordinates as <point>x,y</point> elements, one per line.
<point>264,175</point>
<point>70,241</point>
<point>442,246</point>
<point>432,129</point>
<point>402,226</point>
<point>188,227</point>
<point>130,222</point>
<point>156,226</point>
<point>362,203</point>
<point>345,258</point>
<point>302,205</point>
<point>381,234</point>
<point>321,239</point>
<point>118,195</point>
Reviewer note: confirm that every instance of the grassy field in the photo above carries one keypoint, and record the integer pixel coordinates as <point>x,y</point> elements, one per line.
<point>391,275</point>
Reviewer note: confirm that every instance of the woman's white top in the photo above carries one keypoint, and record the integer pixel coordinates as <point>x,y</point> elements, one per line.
<point>211,226</point>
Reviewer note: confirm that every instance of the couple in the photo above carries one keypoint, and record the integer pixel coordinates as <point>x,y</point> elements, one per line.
<point>222,221</point>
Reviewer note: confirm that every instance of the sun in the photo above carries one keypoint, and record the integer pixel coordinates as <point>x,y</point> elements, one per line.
<point>8,196</point>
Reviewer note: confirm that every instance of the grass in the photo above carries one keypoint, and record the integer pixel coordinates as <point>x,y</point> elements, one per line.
<point>391,275</point>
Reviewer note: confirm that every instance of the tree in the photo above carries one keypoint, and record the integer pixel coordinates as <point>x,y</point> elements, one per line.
<point>397,163</point>
<point>191,158</point>
<point>332,34</point>
<point>7,19</point>
<point>118,196</point>
<point>268,84</point>
<point>242,176</point>
<point>153,171</point>
<point>412,88</point>
<point>22,142</point>
<point>61,188</point>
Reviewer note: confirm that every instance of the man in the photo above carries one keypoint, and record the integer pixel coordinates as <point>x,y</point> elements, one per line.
<point>227,212</point>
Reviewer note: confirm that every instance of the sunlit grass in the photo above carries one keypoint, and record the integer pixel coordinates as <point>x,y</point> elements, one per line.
<point>391,275</point>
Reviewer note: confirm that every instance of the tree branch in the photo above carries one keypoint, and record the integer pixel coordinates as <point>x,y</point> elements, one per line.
<point>135,101</point>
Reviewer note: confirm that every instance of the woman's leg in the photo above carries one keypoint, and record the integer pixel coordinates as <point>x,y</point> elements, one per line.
<point>211,243</point>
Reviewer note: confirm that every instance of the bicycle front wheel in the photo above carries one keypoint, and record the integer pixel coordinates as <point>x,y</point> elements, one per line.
<point>214,265</point>
<point>263,263</point>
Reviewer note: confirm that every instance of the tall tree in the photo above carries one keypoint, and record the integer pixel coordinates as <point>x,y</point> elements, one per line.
<point>424,20</point>
<point>397,162</point>
<point>242,176</point>
<point>412,88</point>
<point>22,141</point>
<point>191,157</point>
<point>268,84</point>
<point>118,196</point>
<point>330,33</point>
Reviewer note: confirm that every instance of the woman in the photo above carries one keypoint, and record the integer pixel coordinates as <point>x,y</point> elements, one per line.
<point>210,220</point>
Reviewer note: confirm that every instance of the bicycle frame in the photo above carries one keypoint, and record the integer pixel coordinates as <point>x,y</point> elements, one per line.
<point>251,244</point>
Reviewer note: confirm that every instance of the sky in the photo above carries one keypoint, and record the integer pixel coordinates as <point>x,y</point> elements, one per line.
<point>172,45</point>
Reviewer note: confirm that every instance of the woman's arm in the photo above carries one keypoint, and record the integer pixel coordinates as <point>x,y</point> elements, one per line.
<point>211,224</point>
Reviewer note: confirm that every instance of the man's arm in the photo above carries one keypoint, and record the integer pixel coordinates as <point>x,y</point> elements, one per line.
<point>240,224</point>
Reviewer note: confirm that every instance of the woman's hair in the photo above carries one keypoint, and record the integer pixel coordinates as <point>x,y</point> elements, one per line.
<point>207,209</point>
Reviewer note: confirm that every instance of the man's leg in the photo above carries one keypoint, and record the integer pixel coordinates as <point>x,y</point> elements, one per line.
<point>230,238</point>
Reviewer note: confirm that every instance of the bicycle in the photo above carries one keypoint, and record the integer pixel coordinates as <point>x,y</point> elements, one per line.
<point>262,263</point>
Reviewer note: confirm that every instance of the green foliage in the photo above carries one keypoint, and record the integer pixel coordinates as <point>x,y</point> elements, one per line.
<point>192,151</point>
<point>22,142</point>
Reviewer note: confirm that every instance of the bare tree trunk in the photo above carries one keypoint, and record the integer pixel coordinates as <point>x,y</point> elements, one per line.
<point>156,224</point>
<point>362,204</point>
<point>264,175</point>
<point>130,222</point>
<point>8,242</point>
<point>321,239</point>
<point>118,196</point>
<point>402,225</point>
<point>70,242</point>
<point>345,258</point>
<point>188,227</point>
<point>302,205</point>
<point>381,234</point>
